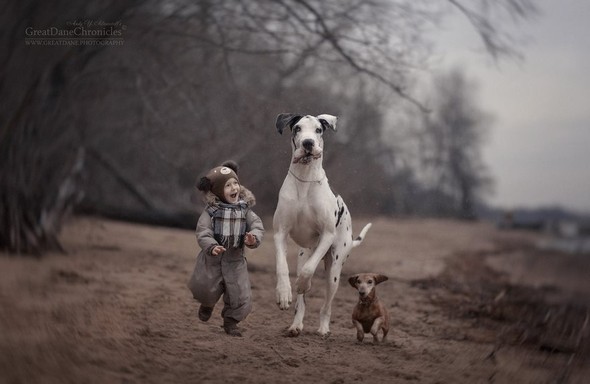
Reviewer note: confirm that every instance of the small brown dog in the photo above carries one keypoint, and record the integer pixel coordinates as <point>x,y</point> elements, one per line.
<point>369,314</point>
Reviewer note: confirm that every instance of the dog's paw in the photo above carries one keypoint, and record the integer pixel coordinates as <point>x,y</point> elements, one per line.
<point>360,336</point>
<point>284,296</point>
<point>284,303</point>
<point>324,328</point>
<point>323,334</point>
<point>303,284</point>
<point>293,331</point>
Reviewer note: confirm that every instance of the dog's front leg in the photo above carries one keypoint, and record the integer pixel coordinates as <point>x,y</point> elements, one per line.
<point>376,327</point>
<point>308,269</point>
<point>297,326</point>
<point>283,291</point>
<point>360,332</point>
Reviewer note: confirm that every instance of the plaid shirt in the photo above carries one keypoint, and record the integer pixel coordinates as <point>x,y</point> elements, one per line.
<point>229,223</point>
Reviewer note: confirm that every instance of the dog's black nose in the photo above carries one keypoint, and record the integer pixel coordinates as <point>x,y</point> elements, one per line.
<point>308,144</point>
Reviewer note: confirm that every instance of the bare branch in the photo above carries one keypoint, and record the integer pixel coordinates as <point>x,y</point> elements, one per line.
<point>497,42</point>
<point>330,37</point>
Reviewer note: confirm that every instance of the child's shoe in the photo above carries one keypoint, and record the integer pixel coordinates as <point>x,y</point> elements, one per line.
<point>205,312</point>
<point>231,327</point>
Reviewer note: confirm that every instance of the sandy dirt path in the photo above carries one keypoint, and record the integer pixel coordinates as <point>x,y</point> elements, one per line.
<point>115,309</point>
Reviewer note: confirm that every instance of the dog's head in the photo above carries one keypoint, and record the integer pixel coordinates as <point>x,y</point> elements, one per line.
<point>306,134</point>
<point>365,282</point>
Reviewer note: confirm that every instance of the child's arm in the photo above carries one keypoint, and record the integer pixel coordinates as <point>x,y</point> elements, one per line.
<point>255,229</point>
<point>217,250</point>
<point>205,237</point>
<point>250,240</point>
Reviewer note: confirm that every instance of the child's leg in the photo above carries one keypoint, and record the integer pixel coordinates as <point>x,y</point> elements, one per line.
<point>237,297</point>
<point>231,327</point>
<point>205,312</point>
<point>206,284</point>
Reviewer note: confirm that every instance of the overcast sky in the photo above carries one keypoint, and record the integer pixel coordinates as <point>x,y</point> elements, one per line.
<point>539,147</point>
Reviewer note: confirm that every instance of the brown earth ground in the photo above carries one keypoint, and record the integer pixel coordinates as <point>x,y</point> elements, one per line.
<point>469,304</point>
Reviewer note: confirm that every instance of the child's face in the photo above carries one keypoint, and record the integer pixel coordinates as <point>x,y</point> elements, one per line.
<point>231,191</point>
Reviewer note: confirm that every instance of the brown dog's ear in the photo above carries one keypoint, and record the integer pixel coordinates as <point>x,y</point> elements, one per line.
<point>353,280</point>
<point>380,279</point>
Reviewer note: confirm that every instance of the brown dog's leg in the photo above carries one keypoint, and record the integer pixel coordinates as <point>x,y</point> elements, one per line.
<point>376,327</point>
<point>385,332</point>
<point>360,333</point>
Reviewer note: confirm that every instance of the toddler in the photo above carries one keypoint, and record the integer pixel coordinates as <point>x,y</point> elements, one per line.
<point>225,226</point>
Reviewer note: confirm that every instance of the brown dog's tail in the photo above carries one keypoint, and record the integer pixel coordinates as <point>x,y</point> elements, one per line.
<point>356,242</point>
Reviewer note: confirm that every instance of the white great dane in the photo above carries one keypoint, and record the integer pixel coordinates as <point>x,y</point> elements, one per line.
<point>316,219</point>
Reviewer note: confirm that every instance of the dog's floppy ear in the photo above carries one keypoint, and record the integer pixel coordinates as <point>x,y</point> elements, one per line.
<point>353,280</point>
<point>285,120</point>
<point>380,279</point>
<point>328,121</point>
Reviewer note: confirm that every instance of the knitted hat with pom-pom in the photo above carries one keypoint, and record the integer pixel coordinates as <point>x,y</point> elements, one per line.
<point>216,178</point>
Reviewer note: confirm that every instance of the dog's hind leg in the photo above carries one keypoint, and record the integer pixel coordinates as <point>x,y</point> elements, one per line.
<point>332,278</point>
<point>333,262</point>
<point>297,326</point>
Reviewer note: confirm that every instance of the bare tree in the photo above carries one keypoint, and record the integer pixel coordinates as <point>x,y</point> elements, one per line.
<point>450,143</point>
<point>185,63</point>
<point>41,160</point>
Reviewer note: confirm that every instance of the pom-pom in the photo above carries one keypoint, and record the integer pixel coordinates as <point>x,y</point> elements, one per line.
<point>231,165</point>
<point>204,184</point>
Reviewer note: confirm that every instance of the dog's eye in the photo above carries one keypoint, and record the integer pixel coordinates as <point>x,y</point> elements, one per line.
<point>318,130</point>
<point>296,129</point>
<point>370,281</point>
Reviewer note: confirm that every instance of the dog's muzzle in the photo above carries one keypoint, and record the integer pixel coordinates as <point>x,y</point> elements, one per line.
<point>307,152</point>
<point>306,159</point>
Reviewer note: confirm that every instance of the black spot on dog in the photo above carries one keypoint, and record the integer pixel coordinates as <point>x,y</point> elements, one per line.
<point>335,279</point>
<point>336,257</point>
<point>339,216</point>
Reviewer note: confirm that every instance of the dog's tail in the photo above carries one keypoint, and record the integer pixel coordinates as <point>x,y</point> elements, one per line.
<point>356,242</point>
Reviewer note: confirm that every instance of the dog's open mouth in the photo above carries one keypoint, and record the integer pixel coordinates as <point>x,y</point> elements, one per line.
<point>306,158</point>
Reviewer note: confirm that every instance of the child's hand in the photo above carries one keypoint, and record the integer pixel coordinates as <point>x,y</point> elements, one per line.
<point>217,250</point>
<point>250,239</point>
